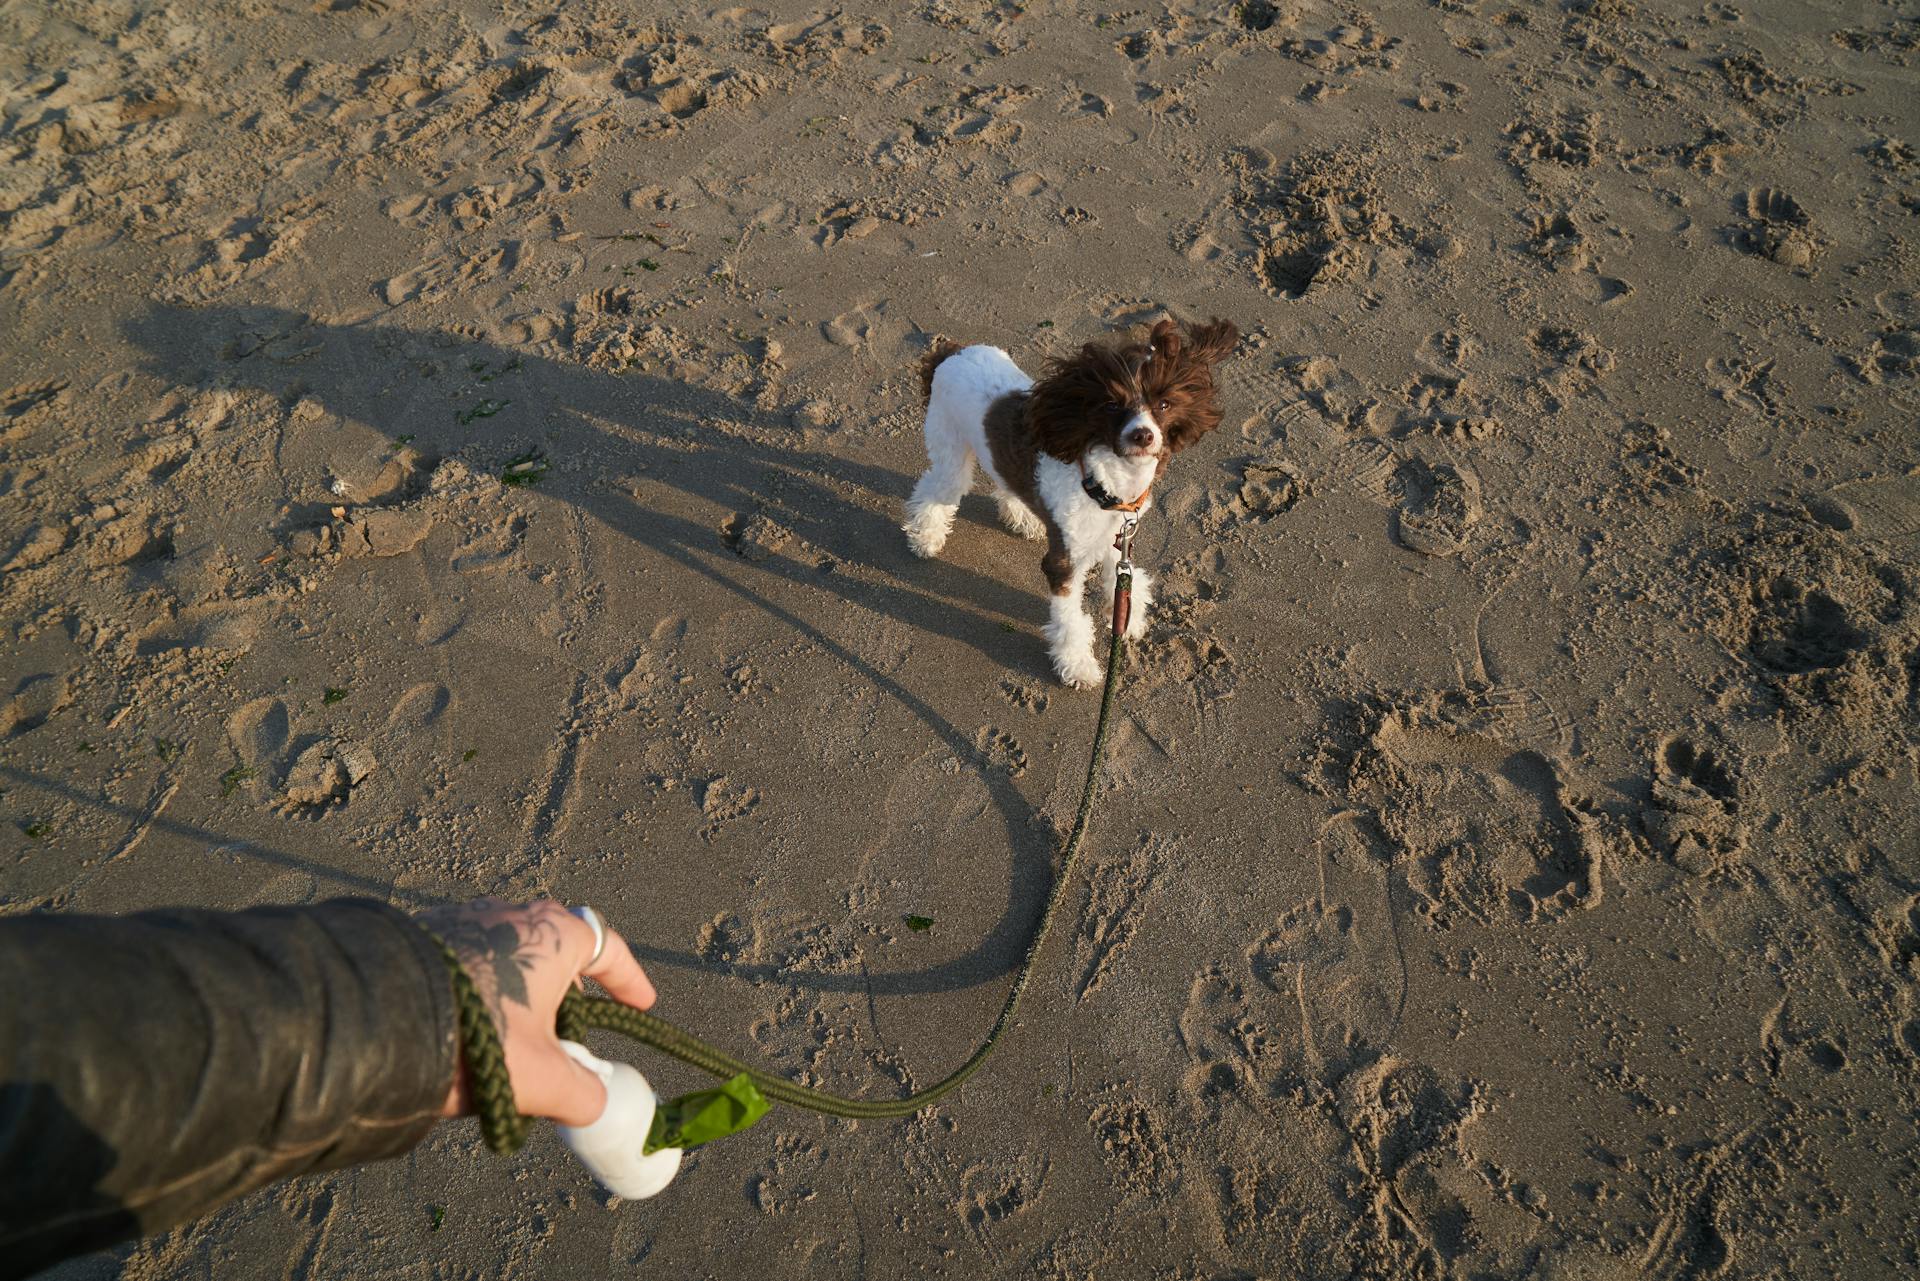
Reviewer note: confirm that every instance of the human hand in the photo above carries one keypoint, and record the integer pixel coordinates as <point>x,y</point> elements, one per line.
<point>522,959</point>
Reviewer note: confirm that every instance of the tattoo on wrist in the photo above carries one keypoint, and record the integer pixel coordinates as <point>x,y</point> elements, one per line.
<point>496,951</point>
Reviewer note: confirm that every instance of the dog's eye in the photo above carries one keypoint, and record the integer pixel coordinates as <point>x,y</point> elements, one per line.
<point>1163,405</point>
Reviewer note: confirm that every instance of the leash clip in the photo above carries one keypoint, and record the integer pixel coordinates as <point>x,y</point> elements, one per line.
<point>1123,541</point>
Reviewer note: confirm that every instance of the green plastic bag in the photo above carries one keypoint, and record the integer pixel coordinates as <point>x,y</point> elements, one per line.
<point>705,1115</point>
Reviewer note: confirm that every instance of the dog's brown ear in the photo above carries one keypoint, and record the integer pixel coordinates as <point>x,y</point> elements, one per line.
<point>1213,341</point>
<point>1062,409</point>
<point>1165,339</point>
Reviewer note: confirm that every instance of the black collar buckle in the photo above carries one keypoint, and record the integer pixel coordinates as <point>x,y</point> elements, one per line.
<point>1098,493</point>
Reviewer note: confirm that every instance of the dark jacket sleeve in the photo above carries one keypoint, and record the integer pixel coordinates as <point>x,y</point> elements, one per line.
<point>153,1066</point>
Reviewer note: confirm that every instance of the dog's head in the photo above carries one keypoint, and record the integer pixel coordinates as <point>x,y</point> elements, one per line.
<point>1140,399</point>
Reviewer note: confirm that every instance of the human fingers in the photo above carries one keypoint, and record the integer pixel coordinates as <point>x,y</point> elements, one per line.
<point>621,975</point>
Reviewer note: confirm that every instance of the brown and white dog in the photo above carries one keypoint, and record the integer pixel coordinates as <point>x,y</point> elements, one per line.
<point>1070,457</point>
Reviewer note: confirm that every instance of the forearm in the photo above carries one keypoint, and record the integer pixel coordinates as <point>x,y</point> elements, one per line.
<point>154,1066</point>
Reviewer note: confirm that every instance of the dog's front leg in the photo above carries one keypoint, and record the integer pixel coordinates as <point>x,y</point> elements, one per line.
<point>1069,630</point>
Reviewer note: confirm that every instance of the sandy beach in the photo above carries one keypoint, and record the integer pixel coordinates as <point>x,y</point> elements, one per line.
<point>453,449</point>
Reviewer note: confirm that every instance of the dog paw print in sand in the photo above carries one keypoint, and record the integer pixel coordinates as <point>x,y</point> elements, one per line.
<point>831,39</point>
<point>492,550</point>
<point>993,1192</point>
<point>1307,1000</point>
<point>866,326</point>
<point>1563,244</point>
<point>1135,1145</point>
<point>1398,1131</point>
<point>791,1178</point>
<point>1315,221</point>
<point>248,246</point>
<point>1267,489</point>
<point>1025,695</point>
<point>36,547</point>
<point>981,116</point>
<point>1410,1154</point>
<point>755,536</point>
<point>1896,935</point>
<point>34,700</point>
<point>1890,359</point>
<point>1799,629</point>
<point>218,632</point>
<point>1573,362</point>
<point>722,801</point>
<point>999,751</point>
<point>1793,1034</point>
<point>1219,1033</point>
<point>114,534</point>
<point>1175,657</point>
<point>1570,138</point>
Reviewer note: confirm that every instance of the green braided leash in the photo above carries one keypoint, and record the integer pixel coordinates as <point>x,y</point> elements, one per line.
<point>488,1084</point>
<point>505,1129</point>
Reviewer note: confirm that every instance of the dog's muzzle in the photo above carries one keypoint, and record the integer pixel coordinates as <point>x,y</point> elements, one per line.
<point>1141,435</point>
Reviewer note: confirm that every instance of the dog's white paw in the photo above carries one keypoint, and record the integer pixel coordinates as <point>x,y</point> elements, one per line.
<point>926,537</point>
<point>1081,669</point>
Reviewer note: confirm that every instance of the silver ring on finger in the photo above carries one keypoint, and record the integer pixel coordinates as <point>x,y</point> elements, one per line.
<point>592,918</point>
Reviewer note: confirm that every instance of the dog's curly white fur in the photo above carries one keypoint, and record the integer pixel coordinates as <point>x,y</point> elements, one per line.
<point>1103,421</point>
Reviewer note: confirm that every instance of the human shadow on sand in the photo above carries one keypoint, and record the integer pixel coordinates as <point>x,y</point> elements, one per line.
<point>721,450</point>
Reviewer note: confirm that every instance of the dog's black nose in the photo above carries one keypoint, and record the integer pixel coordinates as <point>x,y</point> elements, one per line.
<point>1140,437</point>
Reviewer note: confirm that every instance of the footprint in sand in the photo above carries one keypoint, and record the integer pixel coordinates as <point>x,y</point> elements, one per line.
<point>1695,811</point>
<point>1483,828</point>
<point>1439,506</point>
<point>439,624</point>
<point>439,277</point>
<point>249,245</point>
<point>21,407</point>
<point>1268,490</point>
<point>1368,468</point>
<point>33,702</point>
<point>259,733</point>
<point>1025,183</point>
<point>1335,958</point>
<point>1779,228</point>
<point>857,328</point>
<point>218,629</point>
<point>1118,894</point>
<point>1886,507</point>
<point>416,710</point>
<point>493,550</point>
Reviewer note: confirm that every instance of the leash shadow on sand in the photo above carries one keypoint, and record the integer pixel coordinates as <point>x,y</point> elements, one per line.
<point>720,451</point>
